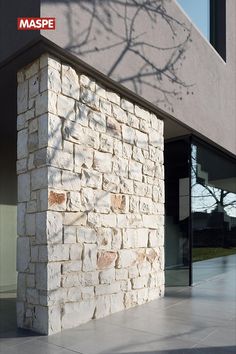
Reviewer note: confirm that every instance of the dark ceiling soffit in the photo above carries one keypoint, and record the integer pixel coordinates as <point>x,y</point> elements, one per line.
<point>42,45</point>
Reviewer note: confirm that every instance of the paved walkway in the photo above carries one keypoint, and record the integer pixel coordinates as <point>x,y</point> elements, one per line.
<point>201,319</point>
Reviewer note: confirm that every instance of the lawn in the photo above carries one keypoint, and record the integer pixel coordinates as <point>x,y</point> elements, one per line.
<point>200,254</point>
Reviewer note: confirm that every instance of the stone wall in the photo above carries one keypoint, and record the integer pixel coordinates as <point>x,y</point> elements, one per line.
<point>90,200</point>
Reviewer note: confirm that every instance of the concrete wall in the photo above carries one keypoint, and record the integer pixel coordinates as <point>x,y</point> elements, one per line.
<point>160,55</point>
<point>90,200</point>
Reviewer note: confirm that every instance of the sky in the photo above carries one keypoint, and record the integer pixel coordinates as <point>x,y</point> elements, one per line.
<point>199,13</point>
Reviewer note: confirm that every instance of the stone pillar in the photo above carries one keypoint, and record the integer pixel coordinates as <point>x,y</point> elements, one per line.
<point>90,200</point>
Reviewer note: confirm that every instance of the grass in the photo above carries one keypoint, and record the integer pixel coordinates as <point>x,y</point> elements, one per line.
<point>202,253</point>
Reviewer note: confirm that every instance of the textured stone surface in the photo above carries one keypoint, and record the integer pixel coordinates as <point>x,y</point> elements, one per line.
<point>90,199</point>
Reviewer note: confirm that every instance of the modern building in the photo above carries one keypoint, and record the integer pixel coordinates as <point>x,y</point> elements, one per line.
<point>118,145</point>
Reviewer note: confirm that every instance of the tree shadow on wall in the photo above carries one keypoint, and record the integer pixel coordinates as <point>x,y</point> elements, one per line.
<point>140,44</point>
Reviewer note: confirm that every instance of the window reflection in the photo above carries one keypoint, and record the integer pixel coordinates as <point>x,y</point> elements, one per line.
<point>213,207</point>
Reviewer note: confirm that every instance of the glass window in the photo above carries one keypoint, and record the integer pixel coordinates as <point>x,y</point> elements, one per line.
<point>199,12</point>
<point>213,180</point>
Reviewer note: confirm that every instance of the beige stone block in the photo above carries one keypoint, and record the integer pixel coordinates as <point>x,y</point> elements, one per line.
<point>89,98</point>
<point>89,257</point>
<point>106,259</point>
<point>77,313</point>
<point>127,105</point>
<point>107,276</point>
<point>22,97</point>
<point>66,107</point>
<point>102,161</point>
<point>103,306</point>
<point>97,121</point>
<point>70,82</point>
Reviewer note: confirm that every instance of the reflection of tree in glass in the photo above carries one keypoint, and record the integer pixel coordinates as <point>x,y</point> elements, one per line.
<point>207,198</point>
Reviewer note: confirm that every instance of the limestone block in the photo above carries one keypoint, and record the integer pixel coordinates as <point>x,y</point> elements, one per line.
<point>131,298</point>
<point>121,274</point>
<point>46,102</point>
<point>69,234</point>
<point>119,114</point>
<point>87,199</point>
<point>107,276</point>
<point>23,253</point>
<point>105,106</point>
<point>117,302</point>
<point>60,159</point>
<point>88,292</point>
<point>133,271</point>
<point>110,182</point>
<point>106,143</point>
<point>87,82</point>
<point>100,91</point>
<point>77,313</point>
<point>113,97</point>
<point>89,98</point>
<point>76,252</point>
<point>71,280</point>
<point>21,286</point>
<point>23,187</point>
<point>134,204</point>
<point>104,238</point>
<point>116,239</point>
<point>155,139</point>
<point>33,142</point>
<point>113,127</point>
<point>48,275</point>
<point>142,113</point>
<point>135,170</point>
<point>97,121</point>
<point>129,238</point>
<point>70,82</point>
<point>32,296</point>
<point>91,179</point>
<point>58,252</point>
<point>89,257</point>
<point>82,114</point>
<point>77,218</point>
<point>70,267</point>
<point>153,221</point>
<point>70,181</point>
<point>120,167</point>
<point>22,97</point>
<point>144,268</point>
<point>149,168</point>
<point>141,140</point>
<point>49,131</point>
<point>144,126</point>
<point>108,220</point>
<point>128,134</point>
<point>118,148</point>
<point>127,105</point>
<point>140,282</point>
<point>74,201</point>
<point>50,79</point>
<point>142,296</point>
<point>126,186</point>
<point>49,60</point>
<point>146,206</point>
<point>133,121</point>
<point>140,188</point>
<point>106,259</point>
<point>119,203</point>
<point>102,202</point>
<point>49,227</point>
<point>86,235</point>
<point>127,151</point>
<point>103,306</point>
<point>40,319</point>
<point>21,211</point>
<point>33,86</point>
<point>66,107</point>
<point>56,200</point>
<point>30,224</point>
<point>126,258</point>
<point>22,144</point>
<point>74,294</point>
<point>102,161</point>
<point>89,279</point>
<point>31,69</point>
<point>83,157</point>
<point>106,289</point>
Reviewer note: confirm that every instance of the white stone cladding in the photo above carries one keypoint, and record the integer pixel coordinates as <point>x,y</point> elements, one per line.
<point>90,199</point>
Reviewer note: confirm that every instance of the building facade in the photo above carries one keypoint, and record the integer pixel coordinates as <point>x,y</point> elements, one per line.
<point>119,128</point>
